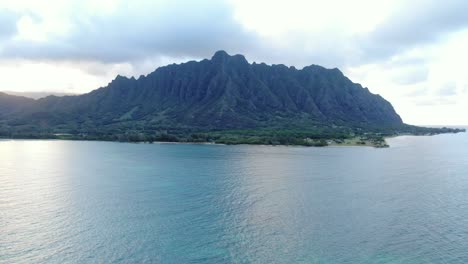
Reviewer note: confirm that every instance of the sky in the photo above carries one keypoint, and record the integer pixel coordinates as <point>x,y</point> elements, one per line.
<point>413,53</point>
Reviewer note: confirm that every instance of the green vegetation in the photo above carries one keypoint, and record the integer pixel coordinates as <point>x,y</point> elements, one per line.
<point>316,136</point>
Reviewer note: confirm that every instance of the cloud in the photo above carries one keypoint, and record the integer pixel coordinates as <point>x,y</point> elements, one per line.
<point>436,102</point>
<point>416,22</point>
<point>139,31</point>
<point>449,89</point>
<point>417,92</point>
<point>298,33</point>
<point>8,21</point>
<point>411,75</point>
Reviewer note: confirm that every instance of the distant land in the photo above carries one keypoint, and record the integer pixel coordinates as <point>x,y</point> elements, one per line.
<point>37,95</point>
<point>224,99</point>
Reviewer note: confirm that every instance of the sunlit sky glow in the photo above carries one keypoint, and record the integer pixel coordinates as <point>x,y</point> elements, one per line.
<point>413,53</point>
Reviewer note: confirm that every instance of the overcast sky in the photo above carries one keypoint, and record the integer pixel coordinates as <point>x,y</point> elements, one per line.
<point>413,53</point>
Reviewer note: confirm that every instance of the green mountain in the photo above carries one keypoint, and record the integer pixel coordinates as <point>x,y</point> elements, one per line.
<point>224,93</point>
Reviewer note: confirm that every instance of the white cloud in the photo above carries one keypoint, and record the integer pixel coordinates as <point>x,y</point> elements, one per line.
<point>435,93</point>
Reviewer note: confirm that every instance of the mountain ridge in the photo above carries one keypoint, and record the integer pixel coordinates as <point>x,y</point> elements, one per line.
<point>38,95</point>
<point>222,93</point>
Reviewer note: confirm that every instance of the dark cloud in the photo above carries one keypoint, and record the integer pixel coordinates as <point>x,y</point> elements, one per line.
<point>8,21</point>
<point>419,22</point>
<point>176,29</point>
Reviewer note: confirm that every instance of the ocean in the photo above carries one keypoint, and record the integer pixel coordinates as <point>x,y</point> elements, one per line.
<point>109,202</point>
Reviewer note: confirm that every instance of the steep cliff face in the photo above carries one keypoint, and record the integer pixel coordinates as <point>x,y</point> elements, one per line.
<point>223,92</point>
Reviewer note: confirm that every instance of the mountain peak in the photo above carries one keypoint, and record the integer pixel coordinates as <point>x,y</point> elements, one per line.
<point>120,77</point>
<point>220,55</point>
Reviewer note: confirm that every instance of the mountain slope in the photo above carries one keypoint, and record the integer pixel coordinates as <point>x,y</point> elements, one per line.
<point>11,104</point>
<point>225,92</point>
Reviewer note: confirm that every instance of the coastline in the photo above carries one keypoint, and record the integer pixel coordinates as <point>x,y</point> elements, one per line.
<point>367,144</point>
<point>375,140</point>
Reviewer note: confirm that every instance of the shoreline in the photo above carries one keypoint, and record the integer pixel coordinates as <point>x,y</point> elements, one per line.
<point>367,140</point>
<point>190,143</point>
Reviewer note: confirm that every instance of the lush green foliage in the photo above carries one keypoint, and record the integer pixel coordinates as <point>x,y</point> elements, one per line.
<point>319,136</point>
